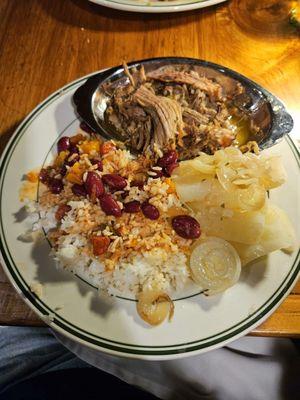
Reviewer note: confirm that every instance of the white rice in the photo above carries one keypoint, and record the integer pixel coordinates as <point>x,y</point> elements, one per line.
<point>156,268</point>
<point>153,269</point>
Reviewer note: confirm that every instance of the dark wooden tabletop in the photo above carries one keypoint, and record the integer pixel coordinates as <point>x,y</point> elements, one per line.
<point>45,44</point>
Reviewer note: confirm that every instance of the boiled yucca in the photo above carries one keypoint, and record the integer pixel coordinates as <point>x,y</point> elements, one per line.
<point>227,193</point>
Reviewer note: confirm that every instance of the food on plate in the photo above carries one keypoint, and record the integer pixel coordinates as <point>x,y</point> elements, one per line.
<point>108,215</point>
<point>148,227</point>
<point>154,306</point>
<point>277,233</point>
<point>215,265</point>
<point>37,289</point>
<point>176,107</point>
<point>228,194</point>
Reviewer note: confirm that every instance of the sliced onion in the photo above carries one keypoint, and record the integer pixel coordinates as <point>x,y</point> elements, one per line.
<point>206,158</point>
<point>274,173</point>
<point>225,155</point>
<point>252,198</point>
<point>154,306</point>
<point>215,265</point>
<point>245,181</point>
<point>201,166</point>
<point>225,176</point>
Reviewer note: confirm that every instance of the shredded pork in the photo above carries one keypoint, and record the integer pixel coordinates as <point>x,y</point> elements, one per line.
<point>171,108</point>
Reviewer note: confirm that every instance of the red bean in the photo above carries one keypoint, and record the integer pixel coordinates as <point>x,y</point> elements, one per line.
<point>73,148</point>
<point>63,144</point>
<point>124,194</point>
<point>79,190</point>
<point>186,227</point>
<point>98,163</point>
<point>139,184</point>
<point>132,207</point>
<point>63,170</point>
<point>114,181</point>
<point>44,176</point>
<point>170,157</point>
<point>73,161</point>
<point>150,211</point>
<point>168,170</point>
<point>110,206</point>
<point>94,185</point>
<point>85,127</point>
<point>55,185</point>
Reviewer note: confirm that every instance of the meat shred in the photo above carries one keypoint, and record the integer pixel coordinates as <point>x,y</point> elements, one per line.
<point>171,108</point>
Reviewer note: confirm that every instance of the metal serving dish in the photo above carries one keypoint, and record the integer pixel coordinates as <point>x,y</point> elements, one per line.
<point>265,110</point>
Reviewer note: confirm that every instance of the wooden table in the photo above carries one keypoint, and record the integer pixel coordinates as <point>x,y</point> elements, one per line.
<point>45,44</point>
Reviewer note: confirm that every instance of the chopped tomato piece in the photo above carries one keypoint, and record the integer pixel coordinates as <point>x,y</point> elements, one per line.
<point>62,211</point>
<point>106,147</point>
<point>100,244</point>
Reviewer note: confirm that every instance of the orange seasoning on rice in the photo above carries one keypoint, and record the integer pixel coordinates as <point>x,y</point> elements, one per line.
<point>32,176</point>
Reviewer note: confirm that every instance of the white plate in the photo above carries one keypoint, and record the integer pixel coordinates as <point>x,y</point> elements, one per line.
<point>156,6</point>
<point>113,326</point>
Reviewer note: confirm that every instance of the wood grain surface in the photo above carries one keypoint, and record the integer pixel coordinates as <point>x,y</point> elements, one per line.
<point>46,44</point>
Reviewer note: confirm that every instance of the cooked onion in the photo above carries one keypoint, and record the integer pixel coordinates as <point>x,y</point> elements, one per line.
<point>225,176</point>
<point>154,306</point>
<point>252,198</point>
<point>274,172</point>
<point>201,166</point>
<point>215,265</point>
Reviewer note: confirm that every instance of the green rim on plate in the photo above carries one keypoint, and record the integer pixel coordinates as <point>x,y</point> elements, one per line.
<point>97,341</point>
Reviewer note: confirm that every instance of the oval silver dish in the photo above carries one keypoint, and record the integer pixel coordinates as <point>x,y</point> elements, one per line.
<point>266,111</point>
